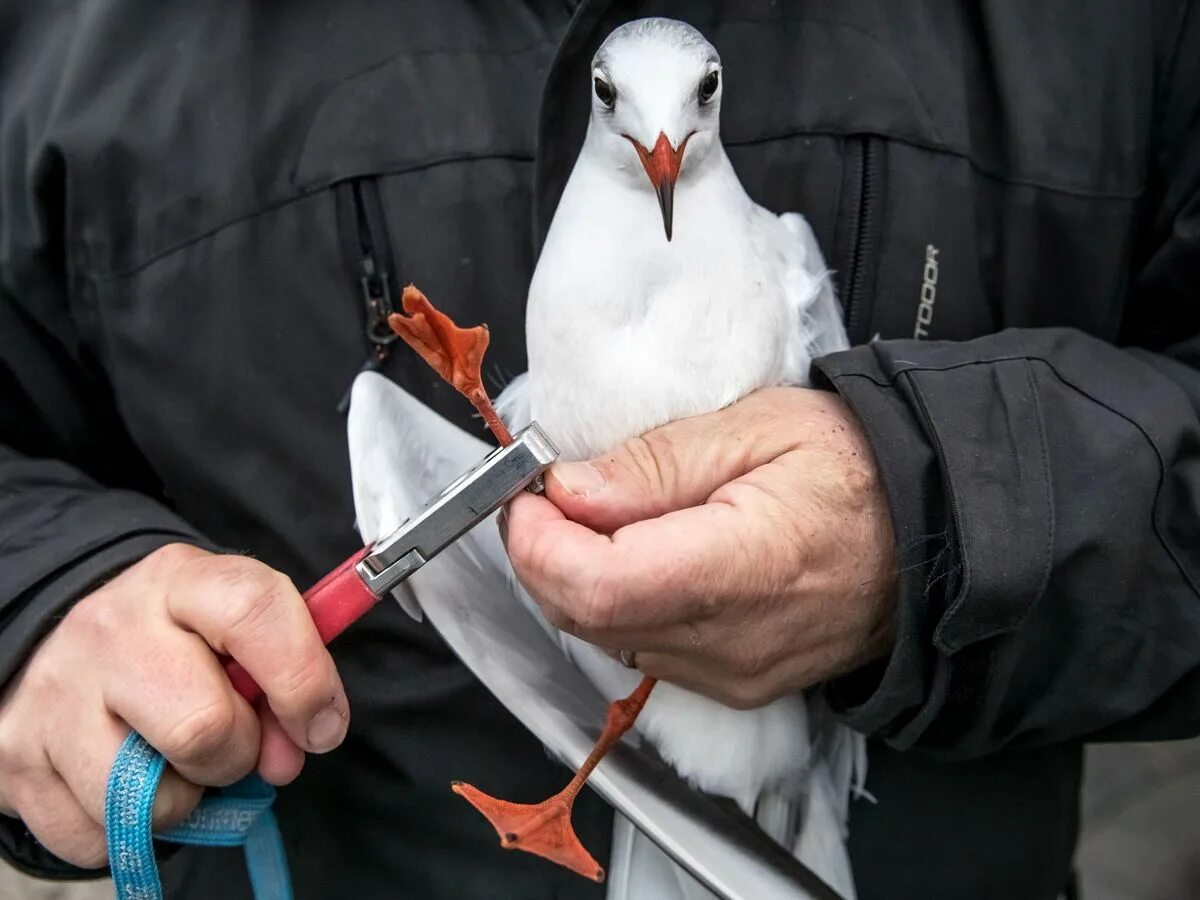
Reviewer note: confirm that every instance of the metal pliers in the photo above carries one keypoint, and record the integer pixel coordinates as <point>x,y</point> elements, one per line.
<point>356,585</point>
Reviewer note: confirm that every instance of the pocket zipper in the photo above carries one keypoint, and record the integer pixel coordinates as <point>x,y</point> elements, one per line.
<point>859,286</point>
<point>366,246</point>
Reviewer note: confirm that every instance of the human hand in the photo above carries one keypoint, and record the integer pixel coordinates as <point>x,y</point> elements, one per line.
<point>142,653</point>
<point>745,554</point>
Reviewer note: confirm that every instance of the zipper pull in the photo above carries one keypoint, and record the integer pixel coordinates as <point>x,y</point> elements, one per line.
<point>376,292</point>
<point>376,295</point>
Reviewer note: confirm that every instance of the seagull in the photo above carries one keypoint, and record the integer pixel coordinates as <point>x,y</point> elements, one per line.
<point>662,291</point>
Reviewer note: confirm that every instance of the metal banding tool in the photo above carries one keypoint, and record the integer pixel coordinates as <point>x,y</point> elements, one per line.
<point>346,593</point>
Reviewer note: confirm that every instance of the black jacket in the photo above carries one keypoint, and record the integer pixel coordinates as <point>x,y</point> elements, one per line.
<point>1008,192</point>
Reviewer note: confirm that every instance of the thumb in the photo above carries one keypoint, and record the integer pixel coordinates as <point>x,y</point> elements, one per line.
<point>672,467</point>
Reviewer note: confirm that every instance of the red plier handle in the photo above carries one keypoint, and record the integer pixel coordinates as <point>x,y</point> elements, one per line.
<point>335,602</point>
<point>351,589</point>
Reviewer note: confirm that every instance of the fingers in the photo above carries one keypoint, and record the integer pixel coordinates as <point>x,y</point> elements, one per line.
<point>254,614</point>
<point>649,576</point>
<point>178,698</point>
<point>62,802</point>
<point>175,800</point>
<point>279,760</point>
<point>86,774</point>
<point>673,467</point>
<point>169,686</point>
<point>56,818</point>
<point>138,653</point>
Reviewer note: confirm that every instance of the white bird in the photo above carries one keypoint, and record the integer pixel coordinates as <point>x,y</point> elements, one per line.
<point>664,289</point>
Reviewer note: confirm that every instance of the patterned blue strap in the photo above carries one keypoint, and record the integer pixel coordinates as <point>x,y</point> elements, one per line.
<point>239,816</point>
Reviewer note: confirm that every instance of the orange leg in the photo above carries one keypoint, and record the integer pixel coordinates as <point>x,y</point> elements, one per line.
<point>483,405</point>
<point>545,828</point>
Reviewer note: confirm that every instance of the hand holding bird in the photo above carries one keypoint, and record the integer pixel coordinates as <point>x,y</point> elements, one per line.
<point>762,564</point>
<point>746,554</point>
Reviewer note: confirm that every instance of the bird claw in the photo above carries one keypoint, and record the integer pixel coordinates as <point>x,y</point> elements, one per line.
<point>543,829</point>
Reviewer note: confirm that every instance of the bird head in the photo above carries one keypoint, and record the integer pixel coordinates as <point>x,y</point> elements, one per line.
<point>656,102</point>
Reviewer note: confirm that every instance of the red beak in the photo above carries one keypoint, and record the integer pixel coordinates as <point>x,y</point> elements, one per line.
<point>662,165</point>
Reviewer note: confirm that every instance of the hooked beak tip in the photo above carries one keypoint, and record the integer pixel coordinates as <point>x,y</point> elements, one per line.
<point>666,203</point>
<point>662,167</point>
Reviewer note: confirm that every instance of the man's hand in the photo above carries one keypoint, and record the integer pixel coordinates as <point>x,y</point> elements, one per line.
<point>141,653</point>
<point>744,554</point>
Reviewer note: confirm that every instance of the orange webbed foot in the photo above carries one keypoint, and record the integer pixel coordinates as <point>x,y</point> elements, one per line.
<point>543,829</point>
<point>456,354</point>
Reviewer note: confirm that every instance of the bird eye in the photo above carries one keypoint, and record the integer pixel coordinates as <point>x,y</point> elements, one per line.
<point>604,92</point>
<point>709,84</point>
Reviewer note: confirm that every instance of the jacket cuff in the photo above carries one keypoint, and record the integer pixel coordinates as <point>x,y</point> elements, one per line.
<point>961,441</point>
<point>21,850</point>
<point>877,698</point>
<point>40,609</point>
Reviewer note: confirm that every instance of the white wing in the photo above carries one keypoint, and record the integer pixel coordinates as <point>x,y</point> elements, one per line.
<point>402,453</point>
<point>819,329</point>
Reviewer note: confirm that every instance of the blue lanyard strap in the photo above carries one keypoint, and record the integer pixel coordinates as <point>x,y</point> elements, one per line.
<point>239,816</point>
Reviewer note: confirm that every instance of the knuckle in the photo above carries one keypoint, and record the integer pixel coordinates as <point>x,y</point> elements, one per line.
<point>97,617</point>
<point>201,734</point>
<point>172,556</point>
<point>742,694</point>
<point>645,455</point>
<point>252,595</point>
<point>19,754</point>
<point>42,684</point>
<point>309,682</point>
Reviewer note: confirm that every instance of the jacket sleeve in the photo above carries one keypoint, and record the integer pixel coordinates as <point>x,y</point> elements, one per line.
<point>73,507</point>
<point>76,498</point>
<point>1045,489</point>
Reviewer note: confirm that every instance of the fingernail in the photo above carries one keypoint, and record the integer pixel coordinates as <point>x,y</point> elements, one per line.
<point>326,730</point>
<point>502,525</point>
<point>580,479</point>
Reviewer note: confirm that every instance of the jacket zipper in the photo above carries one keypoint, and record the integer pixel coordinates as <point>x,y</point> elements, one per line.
<point>367,249</point>
<point>366,246</point>
<point>859,285</point>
